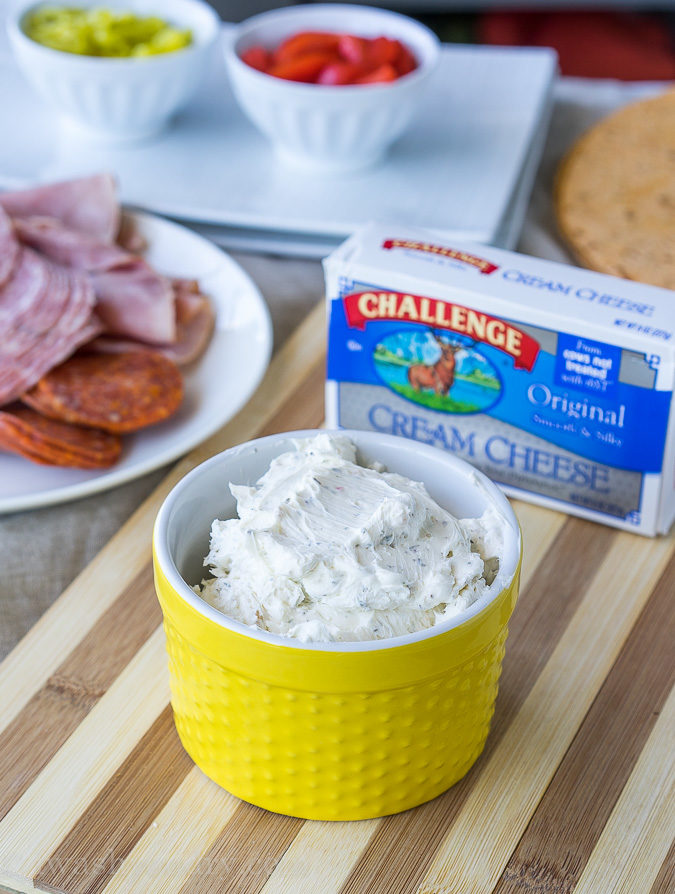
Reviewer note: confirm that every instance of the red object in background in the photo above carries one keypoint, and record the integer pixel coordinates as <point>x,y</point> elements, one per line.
<point>320,57</point>
<point>628,46</point>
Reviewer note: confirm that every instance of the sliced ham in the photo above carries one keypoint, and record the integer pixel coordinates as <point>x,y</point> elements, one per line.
<point>136,302</point>
<point>20,294</point>
<point>70,247</point>
<point>47,314</point>
<point>195,321</point>
<point>89,205</point>
<point>129,236</point>
<point>67,284</point>
<point>9,248</point>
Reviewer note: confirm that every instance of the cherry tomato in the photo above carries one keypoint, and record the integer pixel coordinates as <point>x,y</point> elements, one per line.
<point>380,75</point>
<point>340,73</point>
<point>305,68</point>
<point>354,49</point>
<point>383,50</point>
<point>406,61</point>
<point>257,57</point>
<point>306,42</point>
<point>323,57</point>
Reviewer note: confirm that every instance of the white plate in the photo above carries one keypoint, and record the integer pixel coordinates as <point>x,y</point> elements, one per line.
<point>454,170</point>
<point>216,386</point>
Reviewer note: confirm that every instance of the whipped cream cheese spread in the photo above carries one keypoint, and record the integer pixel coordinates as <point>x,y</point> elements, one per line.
<point>327,550</point>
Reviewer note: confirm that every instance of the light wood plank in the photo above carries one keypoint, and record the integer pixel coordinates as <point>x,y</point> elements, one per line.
<point>43,649</point>
<point>321,857</point>
<point>539,527</point>
<point>507,792</point>
<point>636,839</point>
<point>244,854</point>
<point>182,833</point>
<point>46,812</point>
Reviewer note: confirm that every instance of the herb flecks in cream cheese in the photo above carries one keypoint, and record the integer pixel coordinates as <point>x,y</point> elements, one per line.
<point>326,550</point>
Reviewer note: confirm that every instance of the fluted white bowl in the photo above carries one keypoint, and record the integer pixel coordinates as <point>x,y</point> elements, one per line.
<point>329,128</point>
<point>119,99</point>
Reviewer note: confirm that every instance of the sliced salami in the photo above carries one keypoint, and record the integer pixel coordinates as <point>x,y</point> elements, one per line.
<point>117,393</point>
<point>47,442</point>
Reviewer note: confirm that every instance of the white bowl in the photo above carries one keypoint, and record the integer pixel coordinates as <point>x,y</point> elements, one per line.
<point>119,99</point>
<point>329,128</point>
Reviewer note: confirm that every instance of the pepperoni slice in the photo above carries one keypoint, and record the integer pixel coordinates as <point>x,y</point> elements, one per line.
<point>114,392</point>
<point>51,443</point>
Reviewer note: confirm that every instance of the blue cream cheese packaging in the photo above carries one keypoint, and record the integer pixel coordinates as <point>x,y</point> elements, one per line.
<point>556,382</point>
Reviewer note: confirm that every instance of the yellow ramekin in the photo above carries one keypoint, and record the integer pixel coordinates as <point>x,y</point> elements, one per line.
<point>329,731</point>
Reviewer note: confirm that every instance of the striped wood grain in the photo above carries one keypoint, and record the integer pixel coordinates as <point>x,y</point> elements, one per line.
<point>34,735</point>
<point>594,771</point>
<point>542,613</point>
<point>635,841</point>
<point>512,783</point>
<point>111,803</point>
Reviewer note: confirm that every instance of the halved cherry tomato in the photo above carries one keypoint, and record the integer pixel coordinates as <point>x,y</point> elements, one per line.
<point>323,57</point>
<point>354,49</point>
<point>305,68</point>
<point>341,73</point>
<point>306,42</point>
<point>380,75</point>
<point>406,61</point>
<point>383,50</point>
<point>257,57</point>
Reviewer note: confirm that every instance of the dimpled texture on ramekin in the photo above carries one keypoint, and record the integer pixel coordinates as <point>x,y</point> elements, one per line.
<point>332,756</point>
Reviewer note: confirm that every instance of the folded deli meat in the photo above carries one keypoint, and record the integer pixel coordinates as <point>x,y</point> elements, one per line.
<point>71,276</point>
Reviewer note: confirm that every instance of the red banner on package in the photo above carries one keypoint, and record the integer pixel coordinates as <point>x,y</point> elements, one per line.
<point>366,307</point>
<point>456,254</point>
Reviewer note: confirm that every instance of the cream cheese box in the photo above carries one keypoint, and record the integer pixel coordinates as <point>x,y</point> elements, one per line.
<point>557,382</point>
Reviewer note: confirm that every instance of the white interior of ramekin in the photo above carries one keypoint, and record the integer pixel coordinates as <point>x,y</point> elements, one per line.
<point>196,15</point>
<point>184,521</point>
<point>270,28</point>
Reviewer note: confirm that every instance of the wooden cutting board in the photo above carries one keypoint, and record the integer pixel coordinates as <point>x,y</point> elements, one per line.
<point>573,792</point>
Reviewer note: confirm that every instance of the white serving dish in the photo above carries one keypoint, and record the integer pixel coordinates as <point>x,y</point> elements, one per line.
<point>119,99</point>
<point>331,129</point>
<point>216,386</point>
<point>213,166</point>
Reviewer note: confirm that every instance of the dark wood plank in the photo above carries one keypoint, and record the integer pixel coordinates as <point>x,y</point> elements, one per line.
<point>115,820</point>
<point>245,853</point>
<point>51,715</point>
<point>572,814</point>
<point>403,846</point>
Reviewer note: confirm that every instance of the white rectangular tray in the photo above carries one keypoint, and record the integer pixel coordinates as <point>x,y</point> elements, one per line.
<point>456,169</point>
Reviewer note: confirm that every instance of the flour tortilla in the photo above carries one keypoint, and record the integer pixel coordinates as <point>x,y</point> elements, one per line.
<point>615,193</point>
